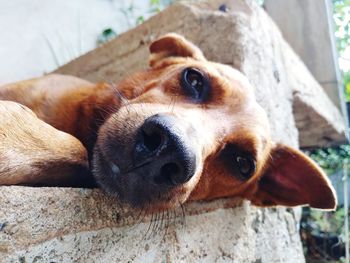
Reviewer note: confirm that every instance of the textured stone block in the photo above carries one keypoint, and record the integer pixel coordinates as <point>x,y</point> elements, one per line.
<point>77,225</point>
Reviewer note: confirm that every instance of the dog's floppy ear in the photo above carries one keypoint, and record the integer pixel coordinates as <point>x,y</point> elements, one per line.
<point>173,45</point>
<point>291,178</point>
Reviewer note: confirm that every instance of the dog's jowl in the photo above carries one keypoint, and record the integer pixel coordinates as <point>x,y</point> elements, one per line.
<point>183,129</point>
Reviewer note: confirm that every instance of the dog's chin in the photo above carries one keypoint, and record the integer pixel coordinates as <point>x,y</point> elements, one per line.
<point>132,189</point>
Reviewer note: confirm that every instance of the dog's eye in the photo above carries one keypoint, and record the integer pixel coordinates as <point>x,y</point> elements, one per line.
<point>195,84</point>
<point>245,166</point>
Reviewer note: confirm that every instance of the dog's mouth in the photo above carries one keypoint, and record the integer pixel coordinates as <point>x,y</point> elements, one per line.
<point>115,169</point>
<point>134,187</point>
<point>150,168</point>
<point>169,174</point>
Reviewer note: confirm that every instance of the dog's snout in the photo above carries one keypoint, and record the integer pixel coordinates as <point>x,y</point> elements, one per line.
<point>162,151</point>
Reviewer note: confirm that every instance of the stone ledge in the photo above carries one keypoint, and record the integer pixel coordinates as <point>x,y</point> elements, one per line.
<point>70,225</point>
<point>51,212</point>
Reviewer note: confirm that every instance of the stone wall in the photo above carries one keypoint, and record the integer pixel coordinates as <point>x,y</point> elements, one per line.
<point>312,38</point>
<point>78,225</point>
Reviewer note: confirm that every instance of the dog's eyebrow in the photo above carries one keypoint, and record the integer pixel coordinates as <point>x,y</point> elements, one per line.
<point>249,142</point>
<point>245,146</point>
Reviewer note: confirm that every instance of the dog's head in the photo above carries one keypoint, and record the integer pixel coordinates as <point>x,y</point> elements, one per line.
<point>191,129</point>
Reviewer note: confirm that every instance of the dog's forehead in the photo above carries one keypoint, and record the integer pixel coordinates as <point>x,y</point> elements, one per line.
<point>251,115</point>
<point>233,76</point>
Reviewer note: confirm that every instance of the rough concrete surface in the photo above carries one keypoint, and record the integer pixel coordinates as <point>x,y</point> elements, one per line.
<point>77,225</point>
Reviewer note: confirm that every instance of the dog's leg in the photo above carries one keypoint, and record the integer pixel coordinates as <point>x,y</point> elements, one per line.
<point>34,153</point>
<point>67,103</point>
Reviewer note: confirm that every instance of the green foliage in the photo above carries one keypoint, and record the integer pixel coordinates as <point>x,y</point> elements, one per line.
<point>318,229</point>
<point>341,17</point>
<point>342,23</point>
<point>106,35</point>
<point>129,13</point>
<point>328,222</point>
<point>332,159</point>
<point>346,81</point>
<point>140,20</point>
<point>155,6</point>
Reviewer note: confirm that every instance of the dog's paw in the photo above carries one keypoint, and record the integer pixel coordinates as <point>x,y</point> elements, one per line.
<point>34,153</point>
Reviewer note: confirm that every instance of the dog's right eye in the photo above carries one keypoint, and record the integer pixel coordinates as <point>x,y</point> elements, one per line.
<point>245,166</point>
<point>240,163</point>
<point>195,84</point>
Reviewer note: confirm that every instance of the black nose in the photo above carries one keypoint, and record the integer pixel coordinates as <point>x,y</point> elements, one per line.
<point>162,151</point>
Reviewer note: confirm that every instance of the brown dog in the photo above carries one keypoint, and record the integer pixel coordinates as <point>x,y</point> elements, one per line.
<point>184,129</point>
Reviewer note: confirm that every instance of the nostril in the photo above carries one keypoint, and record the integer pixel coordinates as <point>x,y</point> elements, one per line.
<point>151,139</point>
<point>170,174</point>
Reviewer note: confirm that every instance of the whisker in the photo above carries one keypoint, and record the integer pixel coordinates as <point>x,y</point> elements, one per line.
<point>162,221</point>
<point>149,227</point>
<point>145,214</point>
<point>183,216</point>
<point>166,226</point>
<point>138,217</point>
<point>155,224</point>
<point>174,217</point>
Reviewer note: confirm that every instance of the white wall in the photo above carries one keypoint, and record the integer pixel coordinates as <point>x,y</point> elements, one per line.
<point>38,35</point>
